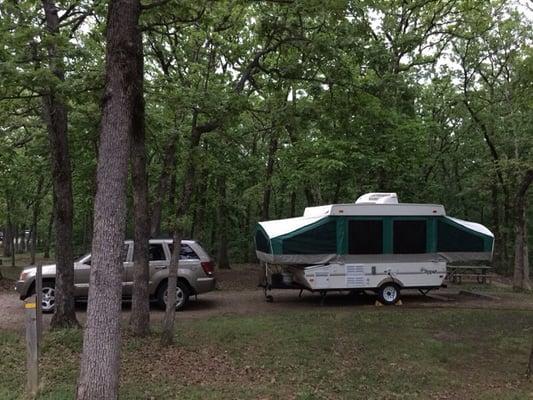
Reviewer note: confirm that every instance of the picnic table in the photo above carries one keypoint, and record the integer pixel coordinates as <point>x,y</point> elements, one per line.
<point>456,273</point>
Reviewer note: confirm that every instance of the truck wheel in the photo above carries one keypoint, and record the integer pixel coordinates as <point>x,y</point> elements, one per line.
<point>389,293</point>
<point>182,295</point>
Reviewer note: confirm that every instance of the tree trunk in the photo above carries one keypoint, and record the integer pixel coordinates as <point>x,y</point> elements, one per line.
<point>35,218</point>
<point>272,148</point>
<point>14,237</point>
<point>8,234</point>
<point>167,335</point>
<point>140,307</point>
<point>201,195</point>
<point>55,115</point>
<point>521,262</point>
<point>336,195</point>
<point>17,243</point>
<point>164,185</point>
<point>48,241</point>
<point>310,197</point>
<point>529,370</point>
<point>100,360</point>
<point>292,211</point>
<point>246,248</point>
<point>222,253</point>
<point>498,261</point>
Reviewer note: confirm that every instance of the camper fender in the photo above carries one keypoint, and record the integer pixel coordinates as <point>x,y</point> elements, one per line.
<point>388,280</point>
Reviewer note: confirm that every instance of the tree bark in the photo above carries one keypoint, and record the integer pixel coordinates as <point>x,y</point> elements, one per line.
<point>55,115</point>
<point>140,307</point>
<point>100,361</point>
<point>222,253</point>
<point>521,262</point>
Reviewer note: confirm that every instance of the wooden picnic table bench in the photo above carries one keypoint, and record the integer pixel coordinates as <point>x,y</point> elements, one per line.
<point>480,273</point>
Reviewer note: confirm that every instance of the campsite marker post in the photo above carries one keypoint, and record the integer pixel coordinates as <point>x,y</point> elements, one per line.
<point>32,357</point>
<point>39,299</point>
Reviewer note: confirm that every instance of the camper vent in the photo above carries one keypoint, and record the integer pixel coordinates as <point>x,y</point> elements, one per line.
<point>378,198</point>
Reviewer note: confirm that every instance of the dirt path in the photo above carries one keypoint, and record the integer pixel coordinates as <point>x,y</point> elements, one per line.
<point>252,302</point>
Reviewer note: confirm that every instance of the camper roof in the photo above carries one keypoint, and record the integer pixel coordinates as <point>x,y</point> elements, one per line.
<point>376,204</point>
<point>364,209</point>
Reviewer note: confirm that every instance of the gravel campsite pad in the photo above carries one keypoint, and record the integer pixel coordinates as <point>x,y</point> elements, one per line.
<point>238,294</point>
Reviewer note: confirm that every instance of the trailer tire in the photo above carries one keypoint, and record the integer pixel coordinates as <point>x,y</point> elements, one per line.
<point>389,293</point>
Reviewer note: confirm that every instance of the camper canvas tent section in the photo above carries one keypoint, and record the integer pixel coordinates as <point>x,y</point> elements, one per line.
<point>376,243</point>
<point>365,231</point>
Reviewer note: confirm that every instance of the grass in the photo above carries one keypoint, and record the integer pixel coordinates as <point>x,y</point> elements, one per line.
<point>390,353</point>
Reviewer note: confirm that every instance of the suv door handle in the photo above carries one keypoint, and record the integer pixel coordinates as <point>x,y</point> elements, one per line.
<point>160,266</point>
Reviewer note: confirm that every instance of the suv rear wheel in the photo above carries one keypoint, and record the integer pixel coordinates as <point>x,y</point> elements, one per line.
<point>182,295</point>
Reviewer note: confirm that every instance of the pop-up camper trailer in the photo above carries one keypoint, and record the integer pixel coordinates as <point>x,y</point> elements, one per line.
<point>375,244</point>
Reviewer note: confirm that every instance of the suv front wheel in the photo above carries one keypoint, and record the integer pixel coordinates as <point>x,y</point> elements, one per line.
<point>182,295</point>
<point>48,296</point>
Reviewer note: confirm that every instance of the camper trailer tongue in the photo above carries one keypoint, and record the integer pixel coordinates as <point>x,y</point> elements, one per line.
<point>378,198</point>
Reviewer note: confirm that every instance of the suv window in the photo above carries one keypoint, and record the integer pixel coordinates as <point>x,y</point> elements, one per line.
<point>156,252</point>
<point>186,253</point>
<point>125,249</point>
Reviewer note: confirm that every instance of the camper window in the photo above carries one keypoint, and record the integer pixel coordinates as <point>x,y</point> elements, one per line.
<point>409,236</point>
<point>365,237</point>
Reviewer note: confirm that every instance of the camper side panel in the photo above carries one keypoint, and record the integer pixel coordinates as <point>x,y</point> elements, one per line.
<point>370,276</point>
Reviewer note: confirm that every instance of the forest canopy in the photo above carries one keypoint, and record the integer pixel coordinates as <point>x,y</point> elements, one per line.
<point>292,103</point>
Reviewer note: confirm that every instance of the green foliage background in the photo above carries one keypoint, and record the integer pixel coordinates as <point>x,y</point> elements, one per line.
<point>343,98</point>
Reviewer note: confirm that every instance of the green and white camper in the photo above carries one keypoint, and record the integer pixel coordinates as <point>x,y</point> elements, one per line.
<point>375,243</point>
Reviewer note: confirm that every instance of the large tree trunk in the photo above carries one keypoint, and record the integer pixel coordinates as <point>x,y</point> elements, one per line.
<point>55,115</point>
<point>222,253</point>
<point>521,262</point>
<point>100,361</point>
<point>140,307</point>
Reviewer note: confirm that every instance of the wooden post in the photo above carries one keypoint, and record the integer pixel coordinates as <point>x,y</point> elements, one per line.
<point>32,359</point>
<point>39,300</point>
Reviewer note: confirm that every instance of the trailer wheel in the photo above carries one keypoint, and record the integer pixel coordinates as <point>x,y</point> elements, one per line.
<point>389,293</point>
